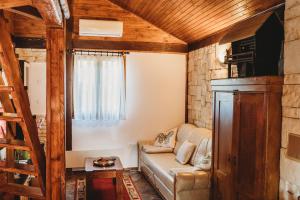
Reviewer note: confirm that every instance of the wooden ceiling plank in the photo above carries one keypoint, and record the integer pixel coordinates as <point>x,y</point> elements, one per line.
<point>225,16</point>
<point>50,11</point>
<point>207,14</point>
<point>171,10</point>
<point>14,3</point>
<point>175,15</point>
<point>188,17</point>
<point>227,21</point>
<point>26,11</point>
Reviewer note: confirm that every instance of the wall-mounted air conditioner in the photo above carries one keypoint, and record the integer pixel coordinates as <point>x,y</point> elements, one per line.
<point>103,28</point>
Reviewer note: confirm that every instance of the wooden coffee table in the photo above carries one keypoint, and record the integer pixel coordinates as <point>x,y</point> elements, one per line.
<point>115,172</point>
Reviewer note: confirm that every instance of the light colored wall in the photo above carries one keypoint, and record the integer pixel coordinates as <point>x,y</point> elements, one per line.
<point>289,169</point>
<point>155,102</point>
<point>36,82</point>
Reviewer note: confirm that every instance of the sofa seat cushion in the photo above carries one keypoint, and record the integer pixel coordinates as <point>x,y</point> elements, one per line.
<point>161,164</point>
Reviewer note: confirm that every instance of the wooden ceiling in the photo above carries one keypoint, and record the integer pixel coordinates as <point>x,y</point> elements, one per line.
<point>178,22</point>
<point>192,20</point>
<point>135,28</point>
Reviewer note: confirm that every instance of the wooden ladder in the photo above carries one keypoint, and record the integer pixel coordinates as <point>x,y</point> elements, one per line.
<point>18,112</point>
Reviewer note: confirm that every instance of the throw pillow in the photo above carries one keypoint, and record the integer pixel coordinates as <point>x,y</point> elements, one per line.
<point>166,139</point>
<point>204,162</point>
<point>185,152</point>
<point>201,150</point>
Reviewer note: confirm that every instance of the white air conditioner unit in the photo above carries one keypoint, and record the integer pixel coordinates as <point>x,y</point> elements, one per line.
<point>103,28</point>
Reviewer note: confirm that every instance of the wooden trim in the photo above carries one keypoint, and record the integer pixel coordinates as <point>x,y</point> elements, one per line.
<point>55,180</point>
<point>31,43</point>
<point>27,11</point>
<point>69,85</point>
<point>14,3</point>
<point>130,46</point>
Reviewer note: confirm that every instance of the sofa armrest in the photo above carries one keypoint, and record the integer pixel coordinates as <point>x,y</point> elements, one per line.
<point>192,181</point>
<point>144,142</point>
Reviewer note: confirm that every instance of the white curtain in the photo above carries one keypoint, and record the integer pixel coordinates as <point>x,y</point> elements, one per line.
<point>99,88</point>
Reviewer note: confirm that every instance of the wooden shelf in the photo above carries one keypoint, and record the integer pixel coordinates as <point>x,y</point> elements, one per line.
<point>10,117</point>
<point>21,190</point>
<point>18,168</point>
<point>14,144</point>
<point>4,88</point>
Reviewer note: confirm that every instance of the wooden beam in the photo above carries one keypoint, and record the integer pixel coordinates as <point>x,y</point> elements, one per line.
<point>14,3</point>
<point>69,84</point>
<point>50,11</point>
<point>31,43</point>
<point>130,46</point>
<point>55,113</point>
<point>26,11</point>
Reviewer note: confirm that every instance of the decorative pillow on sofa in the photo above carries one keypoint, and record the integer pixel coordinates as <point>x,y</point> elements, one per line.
<point>185,152</point>
<point>202,155</point>
<point>156,149</point>
<point>166,139</point>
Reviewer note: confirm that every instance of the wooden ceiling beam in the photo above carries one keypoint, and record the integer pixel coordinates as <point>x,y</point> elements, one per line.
<point>26,11</point>
<point>130,46</point>
<point>124,7</point>
<point>50,11</point>
<point>14,3</point>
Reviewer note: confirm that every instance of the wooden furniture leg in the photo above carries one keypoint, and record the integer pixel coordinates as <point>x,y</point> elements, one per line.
<point>119,185</point>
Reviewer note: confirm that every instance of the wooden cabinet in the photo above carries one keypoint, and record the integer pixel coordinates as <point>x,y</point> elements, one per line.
<point>247,135</point>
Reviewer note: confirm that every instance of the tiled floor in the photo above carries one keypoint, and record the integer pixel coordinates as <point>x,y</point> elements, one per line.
<point>144,188</point>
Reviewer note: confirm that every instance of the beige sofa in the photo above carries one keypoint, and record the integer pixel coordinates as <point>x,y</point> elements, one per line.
<point>189,185</point>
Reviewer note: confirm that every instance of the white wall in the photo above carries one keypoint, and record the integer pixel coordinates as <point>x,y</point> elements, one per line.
<point>35,78</point>
<point>155,102</point>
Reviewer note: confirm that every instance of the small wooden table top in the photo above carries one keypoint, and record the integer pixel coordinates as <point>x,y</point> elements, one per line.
<point>115,172</point>
<point>90,167</point>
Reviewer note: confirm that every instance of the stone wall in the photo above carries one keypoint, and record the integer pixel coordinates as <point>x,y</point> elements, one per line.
<point>290,170</point>
<point>204,65</point>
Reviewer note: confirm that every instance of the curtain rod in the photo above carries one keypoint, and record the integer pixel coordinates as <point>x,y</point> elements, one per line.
<point>99,52</point>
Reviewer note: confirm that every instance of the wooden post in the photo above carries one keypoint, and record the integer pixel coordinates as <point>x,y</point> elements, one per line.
<point>55,183</point>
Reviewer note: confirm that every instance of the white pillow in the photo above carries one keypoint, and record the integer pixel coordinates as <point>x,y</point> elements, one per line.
<point>204,162</point>
<point>166,139</point>
<point>185,152</point>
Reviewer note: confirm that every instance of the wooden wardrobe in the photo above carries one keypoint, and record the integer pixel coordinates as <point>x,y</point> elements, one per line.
<point>247,136</point>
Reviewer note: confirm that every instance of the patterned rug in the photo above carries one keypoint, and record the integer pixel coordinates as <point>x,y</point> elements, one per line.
<point>105,189</point>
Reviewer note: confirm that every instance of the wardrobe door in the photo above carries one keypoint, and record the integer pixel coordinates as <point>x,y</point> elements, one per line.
<point>223,128</point>
<point>249,175</point>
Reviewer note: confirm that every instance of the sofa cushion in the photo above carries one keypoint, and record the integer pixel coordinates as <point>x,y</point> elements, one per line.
<point>154,149</point>
<point>201,151</point>
<point>185,152</point>
<point>192,134</point>
<point>161,164</point>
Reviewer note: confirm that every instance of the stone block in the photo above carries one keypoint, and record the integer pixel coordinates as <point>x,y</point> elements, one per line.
<point>291,96</point>
<point>291,112</point>
<point>292,3</point>
<point>289,125</point>
<point>292,79</point>
<point>292,29</point>
<point>292,12</point>
<point>292,58</point>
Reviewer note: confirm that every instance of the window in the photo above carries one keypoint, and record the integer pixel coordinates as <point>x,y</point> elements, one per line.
<point>99,88</point>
